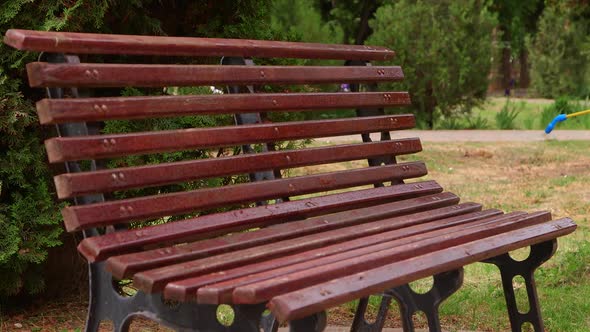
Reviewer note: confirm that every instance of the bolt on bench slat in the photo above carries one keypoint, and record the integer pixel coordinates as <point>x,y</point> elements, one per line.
<point>53,111</point>
<point>97,75</point>
<point>76,184</point>
<point>101,247</point>
<point>60,149</point>
<point>92,43</point>
<point>315,298</point>
<point>135,209</point>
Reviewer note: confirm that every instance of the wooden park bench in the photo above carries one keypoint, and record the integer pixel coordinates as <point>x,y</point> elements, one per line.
<point>295,245</point>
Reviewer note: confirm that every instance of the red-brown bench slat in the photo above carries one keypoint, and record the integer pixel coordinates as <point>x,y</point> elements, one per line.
<point>155,280</point>
<point>91,43</point>
<point>60,149</point>
<point>52,111</point>
<point>186,289</point>
<point>101,247</point>
<point>134,209</point>
<point>175,254</point>
<point>423,243</point>
<point>315,298</point>
<point>83,183</point>
<point>43,74</point>
<point>256,287</point>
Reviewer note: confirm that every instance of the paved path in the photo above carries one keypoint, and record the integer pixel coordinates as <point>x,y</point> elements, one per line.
<point>476,135</point>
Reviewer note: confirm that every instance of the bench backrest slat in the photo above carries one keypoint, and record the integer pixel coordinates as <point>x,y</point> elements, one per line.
<point>90,43</point>
<point>426,193</point>
<point>84,183</point>
<point>134,209</point>
<point>61,149</point>
<point>52,111</point>
<point>42,74</point>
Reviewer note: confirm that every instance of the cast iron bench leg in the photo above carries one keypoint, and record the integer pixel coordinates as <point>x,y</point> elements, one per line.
<point>410,302</point>
<point>313,323</point>
<point>510,268</point>
<point>360,324</point>
<point>107,304</point>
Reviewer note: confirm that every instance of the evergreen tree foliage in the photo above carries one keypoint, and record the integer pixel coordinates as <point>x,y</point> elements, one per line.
<point>352,16</point>
<point>301,20</point>
<point>559,52</point>
<point>444,48</point>
<point>29,217</point>
<point>517,20</point>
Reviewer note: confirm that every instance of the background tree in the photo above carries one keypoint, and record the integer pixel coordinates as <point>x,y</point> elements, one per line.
<point>444,47</point>
<point>29,219</point>
<point>352,16</point>
<point>560,50</point>
<point>517,19</point>
<point>302,20</point>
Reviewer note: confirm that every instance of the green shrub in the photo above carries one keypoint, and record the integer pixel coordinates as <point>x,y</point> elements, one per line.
<point>559,62</point>
<point>477,122</point>
<point>529,123</point>
<point>451,123</point>
<point>29,217</point>
<point>505,118</point>
<point>29,211</point>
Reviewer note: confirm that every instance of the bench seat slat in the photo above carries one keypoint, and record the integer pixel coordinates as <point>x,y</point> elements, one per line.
<point>186,289</point>
<point>60,149</point>
<point>156,279</point>
<point>258,287</point>
<point>101,247</point>
<point>264,290</point>
<point>92,43</point>
<point>76,184</point>
<point>43,74</point>
<point>318,297</point>
<point>134,209</point>
<point>52,111</point>
<point>150,259</point>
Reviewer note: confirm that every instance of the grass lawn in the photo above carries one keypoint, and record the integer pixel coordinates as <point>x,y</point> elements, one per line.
<point>530,115</point>
<point>547,175</point>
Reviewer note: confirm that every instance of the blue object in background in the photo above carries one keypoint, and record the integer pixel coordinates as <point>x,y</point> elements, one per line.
<point>559,118</point>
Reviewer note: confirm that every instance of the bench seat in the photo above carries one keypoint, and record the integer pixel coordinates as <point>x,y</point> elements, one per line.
<point>297,258</point>
<point>297,242</point>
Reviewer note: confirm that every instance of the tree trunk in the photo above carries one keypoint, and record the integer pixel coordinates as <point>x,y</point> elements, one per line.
<point>525,79</point>
<point>430,106</point>
<point>364,30</point>
<point>505,68</point>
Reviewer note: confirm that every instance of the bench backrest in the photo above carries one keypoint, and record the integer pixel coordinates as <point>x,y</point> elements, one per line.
<point>85,149</point>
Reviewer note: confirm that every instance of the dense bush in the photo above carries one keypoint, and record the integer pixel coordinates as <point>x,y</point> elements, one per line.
<point>444,48</point>
<point>507,115</point>
<point>29,218</point>
<point>559,53</point>
<point>302,20</point>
